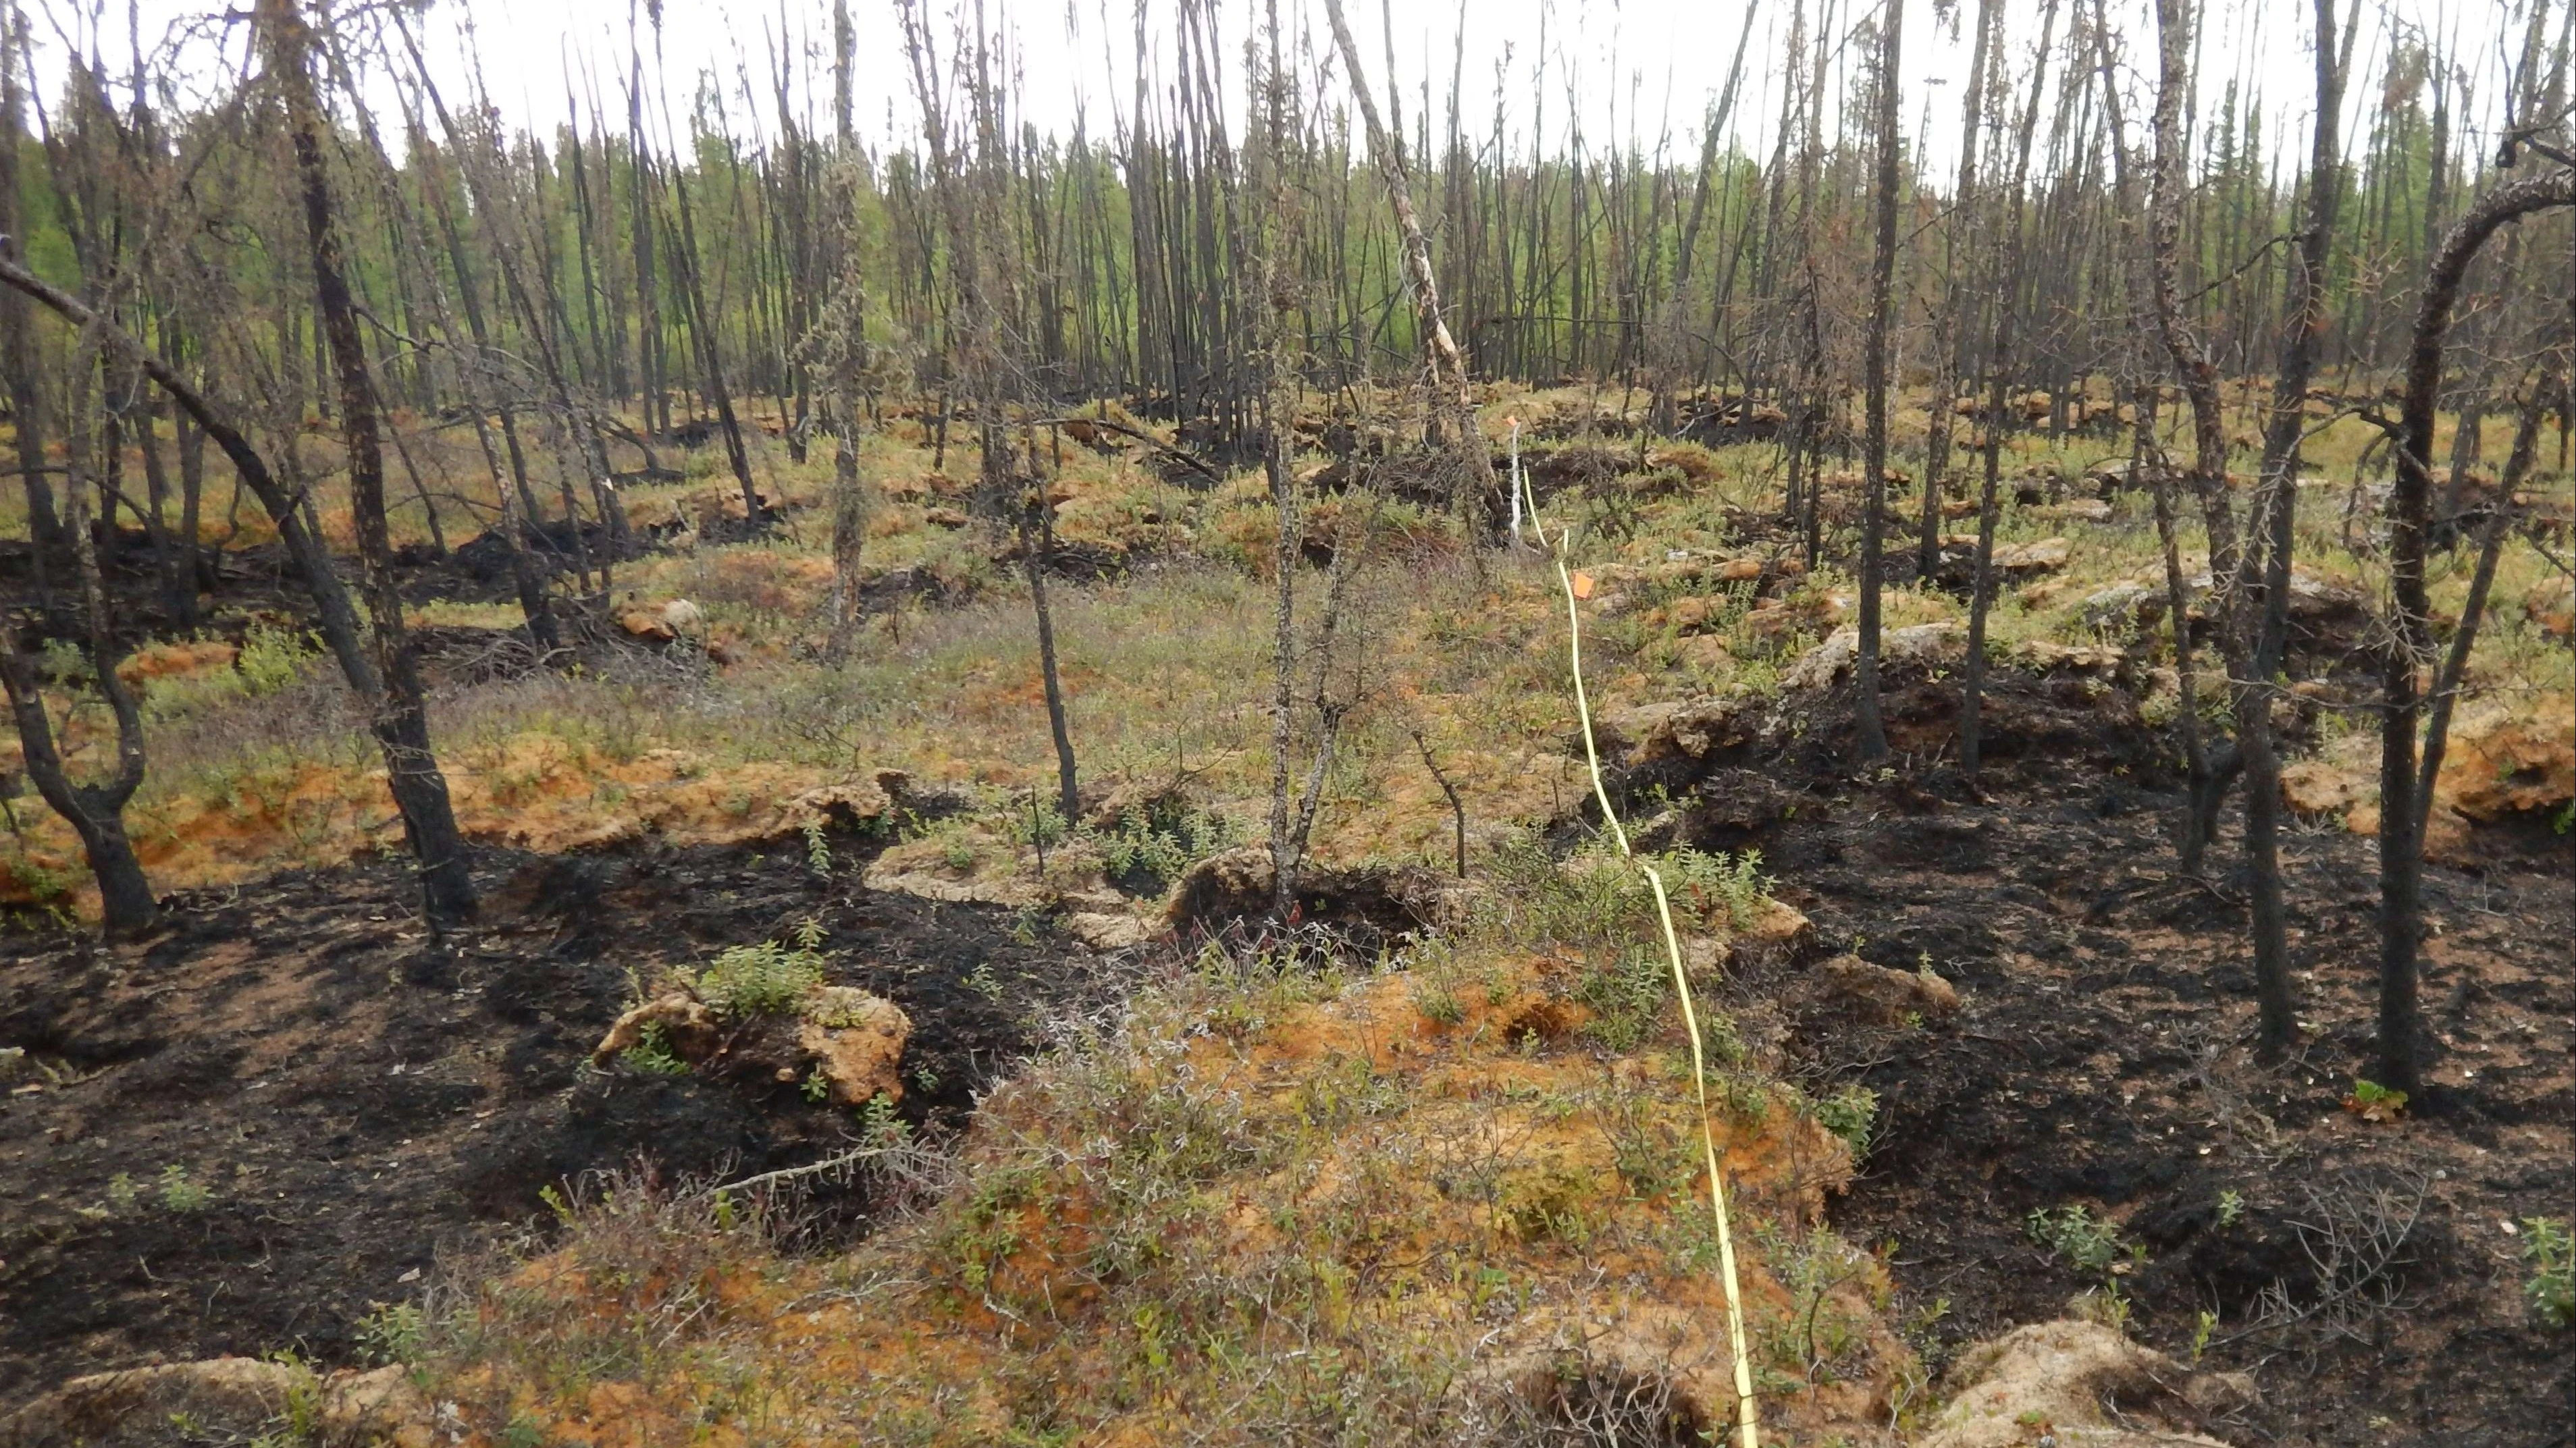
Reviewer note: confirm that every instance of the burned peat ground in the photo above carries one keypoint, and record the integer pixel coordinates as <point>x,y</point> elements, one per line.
<point>2368,1274</point>
<point>344,1101</point>
<point>283,1106</point>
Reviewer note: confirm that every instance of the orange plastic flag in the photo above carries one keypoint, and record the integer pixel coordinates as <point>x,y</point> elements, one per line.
<point>1583,585</point>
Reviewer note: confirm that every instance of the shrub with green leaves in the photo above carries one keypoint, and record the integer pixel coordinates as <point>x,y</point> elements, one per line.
<point>2546,1245</point>
<point>764,979</point>
<point>2091,1243</point>
<point>1151,847</point>
<point>1850,1113</point>
<point>270,658</point>
<point>1626,998</point>
<point>1719,889</point>
<point>653,1054</point>
<point>180,1192</point>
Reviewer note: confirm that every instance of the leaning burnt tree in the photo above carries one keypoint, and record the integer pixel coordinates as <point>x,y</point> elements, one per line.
<point>399,710</point>
<point>2404,791</point>
<point>1452,398</point>
<point>94,809</point>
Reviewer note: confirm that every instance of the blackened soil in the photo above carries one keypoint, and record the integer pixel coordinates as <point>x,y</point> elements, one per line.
<point>2104,1058</point>
<point>349,1097</point>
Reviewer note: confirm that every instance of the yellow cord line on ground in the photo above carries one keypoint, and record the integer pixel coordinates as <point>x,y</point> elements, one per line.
<point>1747,1415</point>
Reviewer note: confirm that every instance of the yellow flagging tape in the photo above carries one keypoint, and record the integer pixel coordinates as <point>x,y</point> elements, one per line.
<point>1747,1418</point>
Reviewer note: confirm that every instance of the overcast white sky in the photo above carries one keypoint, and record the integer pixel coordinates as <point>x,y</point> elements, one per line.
<point>1646,69</point>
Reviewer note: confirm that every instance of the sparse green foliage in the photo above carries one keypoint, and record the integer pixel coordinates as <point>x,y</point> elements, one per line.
<point>1727,892</point>
<point>2089,1242</point>
<point>653,1055</point>
<point>2373,1102</point>
<point>1039,824</point>
<point>1627,998</point>
<point>878,1124</point>
<point>174,1190</point>
<point>271,658</point>
<point>1850,1113</point>
<point>1438,1002</point>
<point>763,979</point>
<point>180,1192</point>
<point>2551,1289</point>
<point>1148,849</point>
<point>392,1332</point>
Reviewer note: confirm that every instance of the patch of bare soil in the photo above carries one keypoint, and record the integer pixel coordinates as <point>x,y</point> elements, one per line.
<point>237,1135</point>
<point>2368,1274</point>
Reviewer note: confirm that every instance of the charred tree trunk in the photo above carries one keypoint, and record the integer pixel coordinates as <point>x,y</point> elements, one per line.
<point>2275,513</point>
<point>1999,363</point>
<point>17,336</point>
<point>2146,452</point>
<point>401,710</point>
<point>702,331</point>
<point>1453,402</point>
<point>2191,361</point>
<point>96,812</point>
<point>2491,538</point>
<point>1037,547</point>
<point>1959,253</point>
<point>2401,837</point>
<point>1882,280</point>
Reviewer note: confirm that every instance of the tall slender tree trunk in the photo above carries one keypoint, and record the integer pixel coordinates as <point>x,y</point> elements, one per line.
<point>17,336</point>
<point>401,722</point>
<point>2147,453</point>
<point>518,502</point>
<point>702,331</point>
<point>2276,504</point>
<point>1999,366</point>
<point>844,340</point>
<point>2401,837</point>
<point>1037,547</point>
<point>1959,252</point>
<point>2191,361</point>
<point>1868,725</point>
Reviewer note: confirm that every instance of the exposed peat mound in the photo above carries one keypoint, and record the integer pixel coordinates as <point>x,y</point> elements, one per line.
<point>236,1135</point>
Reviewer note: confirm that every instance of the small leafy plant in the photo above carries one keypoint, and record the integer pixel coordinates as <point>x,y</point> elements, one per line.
<point>1149,849</point>
<point>2373,1102</point>
<point>1626,999</point>
<point>180,1192</point>
<point>764,979</point>
<point>2552,1289</point>
<point>393,1332</point>
<point>653,1054</point>
<point>1727,890</point>
<point>1852,1114</point>
<point>2091,1243</point>
<point>270,658</point>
